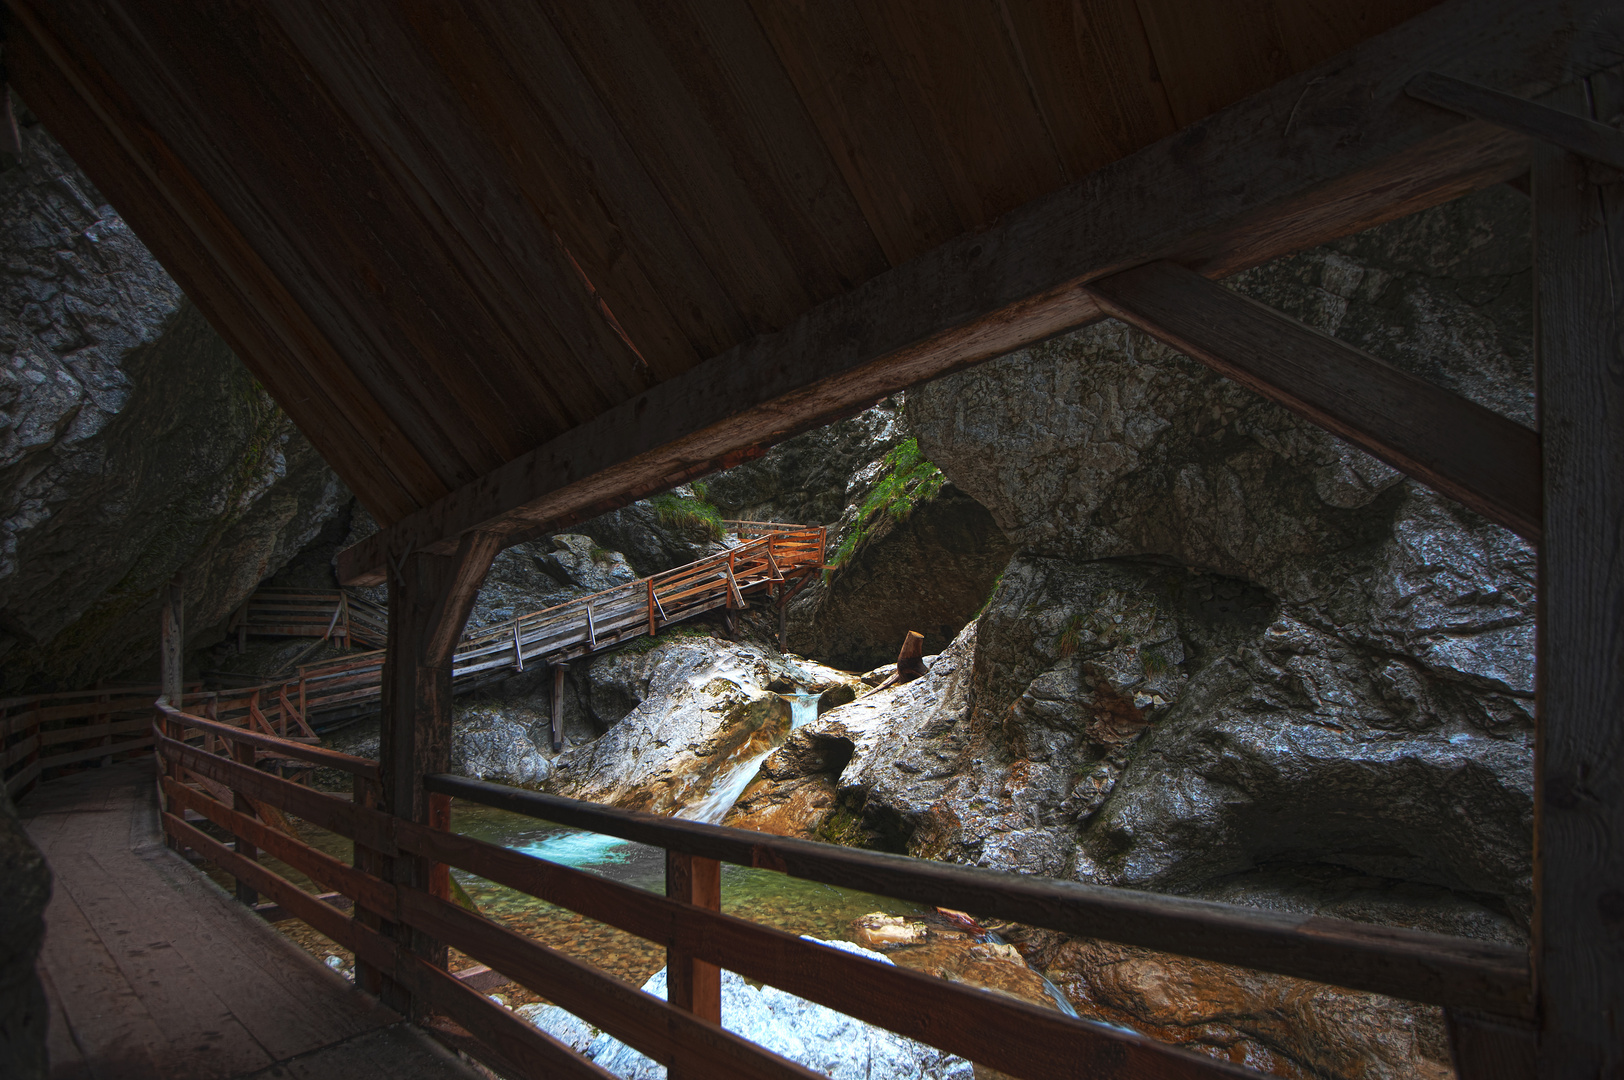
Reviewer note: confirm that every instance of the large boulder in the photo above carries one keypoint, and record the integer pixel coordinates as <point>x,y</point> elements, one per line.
<point>928,571</point>
<point>133,444</point>
<point>701,709</point>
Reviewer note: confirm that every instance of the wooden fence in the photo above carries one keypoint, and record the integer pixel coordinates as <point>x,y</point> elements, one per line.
<point>399,923</point>
<point>49,731</point>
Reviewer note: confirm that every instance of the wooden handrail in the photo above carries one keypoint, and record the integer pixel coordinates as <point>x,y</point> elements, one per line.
<point>332,759</point>
<point>957,1018</point>
<point>1409,964</point>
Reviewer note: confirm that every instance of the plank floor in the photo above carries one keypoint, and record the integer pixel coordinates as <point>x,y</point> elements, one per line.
<point>152,971</point>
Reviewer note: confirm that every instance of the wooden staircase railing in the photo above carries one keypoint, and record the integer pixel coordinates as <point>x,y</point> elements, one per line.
<point>773,559</point>
<point>1015,1037</point>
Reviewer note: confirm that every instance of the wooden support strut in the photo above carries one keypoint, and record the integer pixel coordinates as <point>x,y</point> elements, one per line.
<point>1462,449</point>
<point>1577,134</point>
<point>1578,925</point>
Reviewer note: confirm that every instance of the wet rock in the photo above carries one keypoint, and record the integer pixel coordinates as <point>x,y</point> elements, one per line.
<point>812,478</point>
<point>1278,1025</point>
<point>814,1036</point>
<point>701,707</point>
<point>877,930</point>
<point>795,792</point>
<point>929,572</point>
<point>580,561</point>
<point>133,444</point>
<point>25,887</point>
<point>507,743</point>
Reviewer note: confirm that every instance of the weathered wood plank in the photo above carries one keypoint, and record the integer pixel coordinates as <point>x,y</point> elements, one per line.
<point>1317,156</point>
<point>1579,803</point>
<point>1462,449</point>
<point>320,867</point>
<point>1402,963</point>
<point>1577,134</point>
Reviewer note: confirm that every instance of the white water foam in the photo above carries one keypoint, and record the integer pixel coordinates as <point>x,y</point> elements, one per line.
<point>803,709</point>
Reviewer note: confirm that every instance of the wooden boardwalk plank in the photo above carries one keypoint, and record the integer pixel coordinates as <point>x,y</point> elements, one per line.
<point>153,971</point>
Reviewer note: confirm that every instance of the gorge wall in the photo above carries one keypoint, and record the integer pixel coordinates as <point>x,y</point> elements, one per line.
<point>133,444</point>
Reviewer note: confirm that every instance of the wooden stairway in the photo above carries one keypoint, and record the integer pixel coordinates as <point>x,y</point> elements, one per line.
<point>771,559</point>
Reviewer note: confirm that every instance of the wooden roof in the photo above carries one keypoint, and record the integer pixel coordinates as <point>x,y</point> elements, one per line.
<point>450,237</point>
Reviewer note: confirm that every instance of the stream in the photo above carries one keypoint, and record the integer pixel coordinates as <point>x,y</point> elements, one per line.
<point>774,899</point>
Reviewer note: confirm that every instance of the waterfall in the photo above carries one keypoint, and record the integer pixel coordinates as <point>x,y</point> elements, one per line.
<point>725,791</point>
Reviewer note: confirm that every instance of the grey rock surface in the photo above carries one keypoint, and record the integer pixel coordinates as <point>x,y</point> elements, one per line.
<point>133,444</point>
<point>812,478</point>
<point>930,572</point>
<point>25,888</point>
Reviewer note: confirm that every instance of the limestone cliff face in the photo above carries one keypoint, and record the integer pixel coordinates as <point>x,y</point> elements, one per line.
<point>133,444</point>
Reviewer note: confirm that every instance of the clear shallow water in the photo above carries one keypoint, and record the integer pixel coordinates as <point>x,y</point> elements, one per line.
<point>790,904</point>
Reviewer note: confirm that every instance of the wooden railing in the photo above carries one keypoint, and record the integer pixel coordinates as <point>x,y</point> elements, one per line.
<point>774,558</point>
<point>398,931</point>
<point>48,731</point>
<point>325,614</point>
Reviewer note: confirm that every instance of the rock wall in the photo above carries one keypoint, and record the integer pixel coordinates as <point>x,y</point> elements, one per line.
<point>133,444</point>
<point>1235,658</point>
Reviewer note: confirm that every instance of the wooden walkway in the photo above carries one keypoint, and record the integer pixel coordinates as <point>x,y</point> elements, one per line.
<point>152,971</point>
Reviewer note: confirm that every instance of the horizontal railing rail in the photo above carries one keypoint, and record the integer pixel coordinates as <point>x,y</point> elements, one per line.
<point>953,1017</point>
<point>224,790</point>
<point>42,732</point>
<point>1433,968</point>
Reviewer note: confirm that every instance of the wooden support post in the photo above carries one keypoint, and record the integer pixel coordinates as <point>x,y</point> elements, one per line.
<point>367,793</point>
<point>243,754</point>
<point>783,621</point>
<point>911,657</point>
<point>172,641</point>
<point>693,984</point>
<point>172,662</point>
<point>653,630</point>
<point>429,600</point>
<point>558,706</point>
<point>1579,783</point>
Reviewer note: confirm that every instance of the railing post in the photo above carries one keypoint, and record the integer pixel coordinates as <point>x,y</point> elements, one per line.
<point>430,597</point>
<point>693,984</point>
<point>243,754</point>
<point>368,794</point>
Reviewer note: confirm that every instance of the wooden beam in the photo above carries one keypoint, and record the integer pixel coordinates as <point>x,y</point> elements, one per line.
<point>1579,749</point>
<point>1408,964</point>
<point>1578,134</point>
<point>1459,447</point>
<point>1325,153</point>
<point>429,599</point>
<point>469,567</point>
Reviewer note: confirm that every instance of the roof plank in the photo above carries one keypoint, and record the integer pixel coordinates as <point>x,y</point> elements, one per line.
<point>1322,154</point>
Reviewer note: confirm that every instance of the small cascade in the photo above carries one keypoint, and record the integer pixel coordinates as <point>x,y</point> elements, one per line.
<point>803,709</point>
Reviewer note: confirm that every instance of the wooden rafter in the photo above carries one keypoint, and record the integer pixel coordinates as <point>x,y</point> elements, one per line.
<point>1320,155</point>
